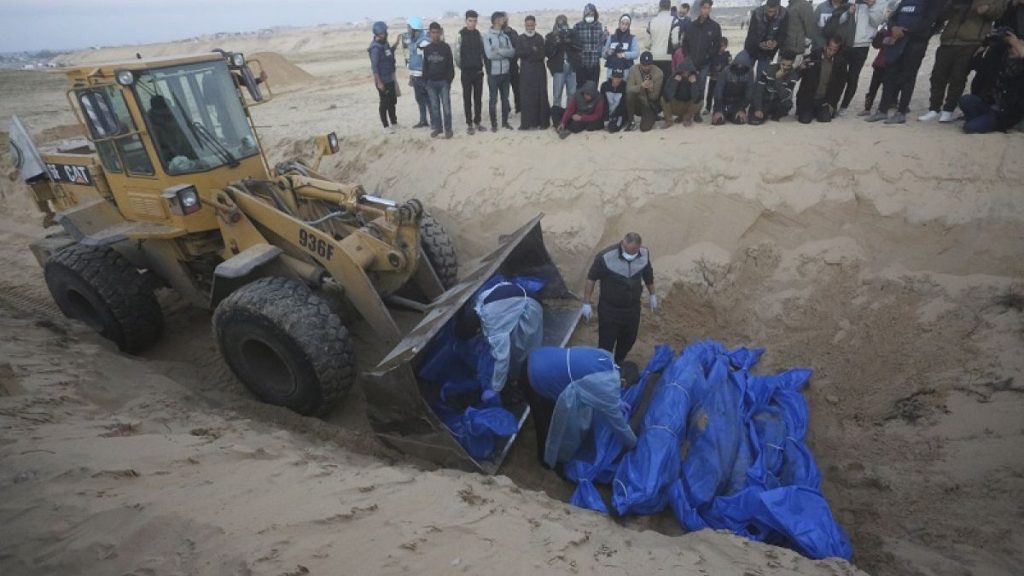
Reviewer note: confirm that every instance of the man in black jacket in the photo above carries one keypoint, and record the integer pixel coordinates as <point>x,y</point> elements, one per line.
<point>767,32</point>
<point>822,78</point>
<point>438,73</point>
<point>733,92</point>
<point>700,44</point>
<point>469,57</point>
<point>620,269</point>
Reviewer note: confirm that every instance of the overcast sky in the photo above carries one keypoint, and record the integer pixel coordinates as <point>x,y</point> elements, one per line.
<point>68,24</point>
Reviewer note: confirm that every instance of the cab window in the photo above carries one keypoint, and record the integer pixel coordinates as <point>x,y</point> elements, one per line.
<point>111,125</point>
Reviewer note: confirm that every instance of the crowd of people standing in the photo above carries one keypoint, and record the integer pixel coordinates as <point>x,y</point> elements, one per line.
<point>797,59</point>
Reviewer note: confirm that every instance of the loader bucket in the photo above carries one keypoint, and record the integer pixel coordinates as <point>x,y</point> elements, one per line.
<point>398,403</point>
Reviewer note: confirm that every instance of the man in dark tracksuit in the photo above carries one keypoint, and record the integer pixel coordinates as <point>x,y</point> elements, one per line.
<point>469,57</point>
<point>773,93</point>
<point>620,269</point>
<point>911,27</point>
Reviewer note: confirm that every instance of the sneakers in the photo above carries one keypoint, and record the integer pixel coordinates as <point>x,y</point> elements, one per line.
<point>481,128</point>
<point>667,123</point>
<point>946,117</point>
<point>630,127</point>
<point>435,133</point>
<point>389,130</point>
<point>422,124</point>
<point>447,134</point>
<point>928,116</point>
<point>687,121</point>
<point>877,117</point>
<point>696,118</point>
<point>564,133</point>
<point>470,131</point>
<point>865,112</point>
<point>494,127</point>
<point>897,118</point>
<point>842,112</point>
<point>506,126</point>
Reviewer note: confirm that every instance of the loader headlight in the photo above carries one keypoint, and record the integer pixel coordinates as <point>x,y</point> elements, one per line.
<point>125,77</point>
<point>183,199</point>
<point>332,143</point>
<point>238,59</point>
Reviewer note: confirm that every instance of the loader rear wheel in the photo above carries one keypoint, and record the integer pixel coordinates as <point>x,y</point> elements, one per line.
<point>103,290</point>
<point>440,251</point>
<point>286,345</point>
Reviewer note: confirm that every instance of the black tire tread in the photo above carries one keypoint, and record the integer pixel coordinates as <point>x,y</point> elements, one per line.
<point>127,293</point>
<point>307,319</point>
<point>440,251</point>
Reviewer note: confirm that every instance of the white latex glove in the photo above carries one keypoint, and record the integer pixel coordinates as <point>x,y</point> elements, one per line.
<point>654,302</point>
<point>588,312</point>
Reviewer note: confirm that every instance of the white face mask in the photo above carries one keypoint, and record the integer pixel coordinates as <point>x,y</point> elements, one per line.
<point>589,19</point>
<point>630,257</point>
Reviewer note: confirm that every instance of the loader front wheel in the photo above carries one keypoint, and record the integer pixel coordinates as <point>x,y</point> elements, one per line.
<point>103,290</point>
<point>440,251</point>
<point>286,345</point>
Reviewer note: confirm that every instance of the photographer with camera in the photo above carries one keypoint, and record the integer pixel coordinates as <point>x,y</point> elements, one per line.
<point>563,58</point>
<point>621,49</point>
<point>767,32</point>
<point>967,23</point>
<point>1005,109</point>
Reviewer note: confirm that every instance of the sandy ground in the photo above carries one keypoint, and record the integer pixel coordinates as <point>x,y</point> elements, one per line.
<point>887,259</point>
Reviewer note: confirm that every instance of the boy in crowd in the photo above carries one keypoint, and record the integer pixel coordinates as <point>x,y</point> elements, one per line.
<point>614,93</point>
<point>438,73</point>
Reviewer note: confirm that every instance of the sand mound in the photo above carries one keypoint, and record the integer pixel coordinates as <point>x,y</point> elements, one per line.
<point>281,73</point>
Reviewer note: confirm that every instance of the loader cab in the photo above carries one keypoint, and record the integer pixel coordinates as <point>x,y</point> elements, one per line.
<point>171,124</point>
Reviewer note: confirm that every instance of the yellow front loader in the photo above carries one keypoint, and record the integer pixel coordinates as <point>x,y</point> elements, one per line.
<point>173,189</point>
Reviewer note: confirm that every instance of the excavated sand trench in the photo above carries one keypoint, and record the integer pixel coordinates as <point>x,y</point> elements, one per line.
<point>897,279</point>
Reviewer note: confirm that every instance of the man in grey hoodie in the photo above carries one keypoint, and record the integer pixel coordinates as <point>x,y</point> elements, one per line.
<point>499,52</point>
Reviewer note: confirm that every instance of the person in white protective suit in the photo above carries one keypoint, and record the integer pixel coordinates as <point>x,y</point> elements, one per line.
<point>513,324</point>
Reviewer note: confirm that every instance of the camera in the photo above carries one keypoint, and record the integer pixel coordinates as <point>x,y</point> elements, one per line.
<point>997,35</point>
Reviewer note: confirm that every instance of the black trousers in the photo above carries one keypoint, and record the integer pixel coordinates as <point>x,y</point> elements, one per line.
<point>388,100</point>
<point>901,75</point>
<point>617,334</point>
<point>584,73</point>
<point>877,74</point>
<point>949,76</point>
<point>855,59</point>
<point>473,95</point>
<point>541,409</point>
<point>513,74</point>
<point>811,111</point>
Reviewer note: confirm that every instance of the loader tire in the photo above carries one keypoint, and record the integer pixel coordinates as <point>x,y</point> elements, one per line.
<point>103,290</point>
<point>440,251</point>
<point>286,345</point>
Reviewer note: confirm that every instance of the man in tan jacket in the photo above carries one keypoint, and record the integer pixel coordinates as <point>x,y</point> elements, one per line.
<point>967,23</point>
<point>643,92</point>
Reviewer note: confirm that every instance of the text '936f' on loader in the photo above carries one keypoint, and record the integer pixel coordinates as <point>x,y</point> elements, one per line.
<point>173,189</point>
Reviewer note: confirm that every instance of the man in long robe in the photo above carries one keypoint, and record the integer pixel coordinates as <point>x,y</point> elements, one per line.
<point>533,79</point>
